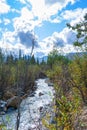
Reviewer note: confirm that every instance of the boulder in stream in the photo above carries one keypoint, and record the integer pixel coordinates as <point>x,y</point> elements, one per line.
<point>13,102</point>
<point>3,106</point>
<point>40,94</point>
<point>42,75</point>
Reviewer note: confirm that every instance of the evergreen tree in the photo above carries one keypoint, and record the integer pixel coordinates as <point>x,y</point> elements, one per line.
<point>37,61</point>
<point>32,60</point>
<point>10,59</point>
<point>81,29</point>
<point>43,62</point>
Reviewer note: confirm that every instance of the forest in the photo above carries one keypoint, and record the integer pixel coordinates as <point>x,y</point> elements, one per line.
<point>69,76</point>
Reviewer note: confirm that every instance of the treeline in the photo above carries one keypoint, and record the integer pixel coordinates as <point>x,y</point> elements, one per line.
<point>18,75</point>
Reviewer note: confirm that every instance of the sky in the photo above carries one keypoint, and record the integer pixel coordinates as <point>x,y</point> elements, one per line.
<point>43,22</point>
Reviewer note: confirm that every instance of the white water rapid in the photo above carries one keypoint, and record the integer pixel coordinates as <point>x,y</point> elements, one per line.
<point>32,109</point>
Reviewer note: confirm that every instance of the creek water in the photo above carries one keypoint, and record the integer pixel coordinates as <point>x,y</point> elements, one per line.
<point>32,109</point>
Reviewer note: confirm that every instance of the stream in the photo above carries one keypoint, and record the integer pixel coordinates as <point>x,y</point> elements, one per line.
<point>32,108</point>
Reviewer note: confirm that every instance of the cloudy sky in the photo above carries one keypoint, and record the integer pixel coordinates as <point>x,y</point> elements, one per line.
<point>40,21</point>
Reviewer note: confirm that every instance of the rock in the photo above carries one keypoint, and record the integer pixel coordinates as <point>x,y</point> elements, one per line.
<point>50,84</point>
<point>52,120</point>
<point>3,106</point>
<point>10,109</point>
<point>2,113</point>
<point>40,109</point>
<point>13,102</point>
<point>8,95</point>
<point>32,94</point>
<point>42,75</point>
<point>40,94</point>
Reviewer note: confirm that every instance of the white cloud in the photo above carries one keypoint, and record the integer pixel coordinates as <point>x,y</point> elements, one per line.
<point>19,46</point>
<point>74,15</point>
<point>26,14</point>
<point>68,49</point>
<point>48,43</point>
<point>41,10</point>
<point>45,48</point>
<point>5,45</point>
<point>9,37</point>
<point>22,1</point>
<point>26,21</point>
<point>11,42</point>
<point>15,10</point>
<point>4,8</point>
<point>55,20</point>
<point>44,9</point>
<point>59,1</point>
<point>8,47</point>
<point>63,41</point>
<point>68,35</point>
<point>6,21</point>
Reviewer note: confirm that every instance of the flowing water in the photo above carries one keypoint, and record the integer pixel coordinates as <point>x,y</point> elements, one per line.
<point>32,109</point>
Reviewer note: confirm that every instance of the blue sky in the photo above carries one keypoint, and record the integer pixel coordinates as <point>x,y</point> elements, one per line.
<point>41,20</point>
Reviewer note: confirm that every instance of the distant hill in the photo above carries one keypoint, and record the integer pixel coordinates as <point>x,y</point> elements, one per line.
<point>73,54</point>
<point>42,58</point>
<point>68,55</point>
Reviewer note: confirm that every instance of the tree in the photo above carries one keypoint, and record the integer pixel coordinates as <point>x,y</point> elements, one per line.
<point>37,61</point>
<point>1,57</point>
<point>81,29</point>
<point>52,57</point>
<point>10,59</point>
<point>55,58</point>
<point>20,54</point>
<point>43,62</point>
<point>32,60</point>
<point>78,70</point>
<point>1,73</point>
<point>78,67</point>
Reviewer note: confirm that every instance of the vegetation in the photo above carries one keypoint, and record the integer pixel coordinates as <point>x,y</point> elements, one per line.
<point>17,77</point>
<point>81,30</point>
<point>68,100</point>
<point>70,83</point>
<point>17,73</point>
